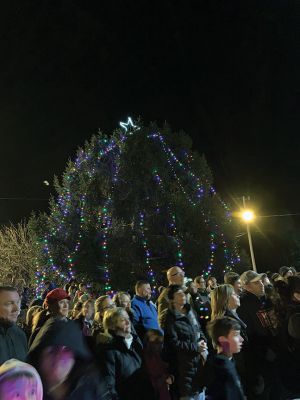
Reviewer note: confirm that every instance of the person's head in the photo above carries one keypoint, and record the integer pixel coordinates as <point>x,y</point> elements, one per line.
<point>58,347</point>
<point>117,322</point>
<point>19,381</point>
<point>143,289</point>
<point>72,290</point>
<point>82,287</point>
<point>223,298</point>
<point>9,304</point>
<point>200,282</point>
<point>175,276</point>
<point>252,282</point>
<point>153,340</point>
<point>211,282</point>
<point>88,309</point>
<point>47,284</point>
<point>232,278</point>
<point>176,297</point>
<point>102,304</point>
<point>77,309</point>
<point>122,299</point>
<point>225,335</point>
<point>285,272</point>
<point>191,287</point>
<point>57,302</point>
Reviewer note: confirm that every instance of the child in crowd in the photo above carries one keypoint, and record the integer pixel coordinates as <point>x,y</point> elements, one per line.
<point>222,380</point>
<point>19,380</point>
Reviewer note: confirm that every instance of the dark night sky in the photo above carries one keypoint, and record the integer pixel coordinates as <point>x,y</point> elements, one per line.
<point>224,71</point>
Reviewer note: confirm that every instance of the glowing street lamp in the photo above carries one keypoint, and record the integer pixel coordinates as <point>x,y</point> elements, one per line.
<point>248,216</point>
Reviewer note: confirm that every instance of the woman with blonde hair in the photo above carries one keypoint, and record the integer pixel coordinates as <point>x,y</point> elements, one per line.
<point>224,302</point>
<point>120,352</point>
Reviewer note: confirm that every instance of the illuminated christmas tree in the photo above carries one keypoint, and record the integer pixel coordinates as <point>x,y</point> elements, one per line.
<point>133,204</point>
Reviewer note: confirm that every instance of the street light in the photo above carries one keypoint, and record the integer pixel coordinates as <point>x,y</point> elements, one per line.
<point>248,216</point>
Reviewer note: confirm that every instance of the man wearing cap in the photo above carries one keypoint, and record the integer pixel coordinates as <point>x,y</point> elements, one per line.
<point>260,377</point>
<point>13,342</point>
<point>175,276</point>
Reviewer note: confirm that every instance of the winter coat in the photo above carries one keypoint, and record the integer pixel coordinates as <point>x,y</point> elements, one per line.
<point>144,315</point>
<point>121,366</point>
<point>181,348</point>
<point>223,382</point>
<point>84,380</point>
<point>13,343</point>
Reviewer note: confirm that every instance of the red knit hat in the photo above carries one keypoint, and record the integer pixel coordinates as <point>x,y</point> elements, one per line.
<point>56,295</point>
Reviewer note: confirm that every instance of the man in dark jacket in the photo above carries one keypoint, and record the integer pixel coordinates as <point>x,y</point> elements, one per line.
<point>13,342</point>
<point>261,376</point>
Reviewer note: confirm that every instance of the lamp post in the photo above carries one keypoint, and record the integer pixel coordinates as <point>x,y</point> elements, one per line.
<point>248,216</point>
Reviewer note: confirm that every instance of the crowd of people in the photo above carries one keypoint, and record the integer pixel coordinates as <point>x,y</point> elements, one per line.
<point>196,339</point>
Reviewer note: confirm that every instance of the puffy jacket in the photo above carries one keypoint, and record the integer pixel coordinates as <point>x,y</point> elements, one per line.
<point>121,366</point>
<point>182,334</point>
<point>13,343</point>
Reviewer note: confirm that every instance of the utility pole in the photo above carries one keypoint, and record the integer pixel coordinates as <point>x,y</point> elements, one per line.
<point>250,239</point>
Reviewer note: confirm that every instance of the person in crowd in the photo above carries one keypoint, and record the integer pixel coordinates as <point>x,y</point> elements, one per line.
<point>76,310</point>
<point>221,377</point>
<point>232,278</point>
<point>13,341</point>
<point>185,345</point>
<point>175,276</point>
<point>287,309</point>
<point>285,272</point>
<point>120,356</point>
<point>81,290</point>
<point>224,302</point>
<point>200,283</point>
<point>144,311</point>
<point>201,308</point>
<point>48,287</point>
<point>102,304</point>
<point>123,299</point>
<point>157,370</point>
<point>63,360</point>
<point>72,291</point>
<point>31,312</point>
<point>86,317</point>
<point>262,380</point>
<point>211,283</point>
<point>56,305</point>
<point>19,380</point>
<point>25,298</point>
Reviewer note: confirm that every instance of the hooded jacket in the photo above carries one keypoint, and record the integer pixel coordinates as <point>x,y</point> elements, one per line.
<point>13,343</point>
<point>84,383</point>
<point>13,367</point>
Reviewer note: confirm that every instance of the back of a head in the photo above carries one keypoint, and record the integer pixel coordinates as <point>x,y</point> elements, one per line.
<point>219,300</point>
<point>231,277</point>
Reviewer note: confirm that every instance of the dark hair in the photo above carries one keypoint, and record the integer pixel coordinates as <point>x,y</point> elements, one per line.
<point>284,270</point>
<point>231,277</point>
<point>8,289</point>
<point>172,290</point>
<point>221,327</point>
<point>141,283</point>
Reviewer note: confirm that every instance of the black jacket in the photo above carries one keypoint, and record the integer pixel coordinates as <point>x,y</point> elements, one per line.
<point>84,380</point>
<point>223,382</point>
<point>121,366</point>
<point>181,350</point>
<point>13,343</point>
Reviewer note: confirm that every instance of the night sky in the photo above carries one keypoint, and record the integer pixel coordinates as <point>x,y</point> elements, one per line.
<point>226,72</point>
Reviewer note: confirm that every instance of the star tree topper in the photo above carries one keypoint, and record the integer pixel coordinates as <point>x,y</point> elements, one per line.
<point>129,126</point>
